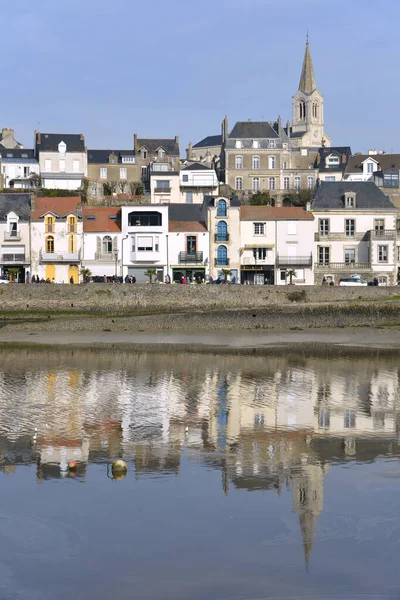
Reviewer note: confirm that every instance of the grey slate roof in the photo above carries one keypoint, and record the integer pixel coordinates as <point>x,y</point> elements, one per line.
<point>18,203</point>
<point>385,161</point>
<point>330,196</point>
<point>209,141</point>
<point>210,200</point>
<point>195,167</point>
<point>253,130</point>
<point>152,144</point>
<point>100,157</point>
<point>49,142</point>
<point>185,212</point>
<point>17,153</point>
<point>338,151</point>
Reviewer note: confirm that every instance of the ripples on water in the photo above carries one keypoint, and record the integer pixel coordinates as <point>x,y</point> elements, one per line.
<point>315,437</point>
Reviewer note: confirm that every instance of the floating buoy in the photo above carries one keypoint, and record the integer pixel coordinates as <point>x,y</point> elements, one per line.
<point>72,465</point>
<point>119,466</point>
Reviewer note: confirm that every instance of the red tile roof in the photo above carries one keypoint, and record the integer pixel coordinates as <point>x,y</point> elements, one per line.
<point>274,213</point>
<point>187,226</point>
<point>102,221</point>
<point>60,206</point>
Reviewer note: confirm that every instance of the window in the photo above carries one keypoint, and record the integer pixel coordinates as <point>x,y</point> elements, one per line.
<point>50,244</point>
<point>324,418</point>
<point>332,161</point>
<point>103,173</point>
<point>285,165</point>
<point>145,219</point>
<point>72,244</point>
<point>315,110</point>
<point>260,253</point>
<point>323,255</point>
<point>302,110</point>
<point>379,224</point>
<point>256,184</point>
<point>259,228</point>
<point>75,166</point>
<point>71,224</point>
<point>191,244</point>
<point>128,159</point>
<point>122,173</point>
<point>350,226</point>
<point>133,241</point>
<point>161,153</point>
<point>292,227</point>
<point>324,227</point>
<point>271,162</point>
<point>271,143</point>
<point>62,165</point>
<point>271,183</point>
<point>284,146</point>
<point>350,418</point>
<point>222,232</point>
<point>383,254</point>
<point>49,224</point>
<point>185,178</point>
<point>310,182</point>
<point>390,180</point>
<point>143,154</point>
<point>349,256</point>
<point>296,182</point>
<point>47,165</point>
<point>238,144</point>
<point>286,183</point>
<point>370,167</point>
<point>62,147</point>
<point>349,201</point>
<point>107,245</point>
<point>330,178</point>
<point>163,185</point>
<point>239,183</point>
<point>222,255</point>
<point>398,253</point>
<point>283,275</point>
<point>144,244</point>
<point>144,173</point>
<point>239,162</point>
<point>256,144</point>
<point>256,162</point>
<point>221,208</point>
<point>189,197</point>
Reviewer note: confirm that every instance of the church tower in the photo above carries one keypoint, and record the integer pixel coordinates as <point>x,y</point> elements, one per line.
<point>308,107</point>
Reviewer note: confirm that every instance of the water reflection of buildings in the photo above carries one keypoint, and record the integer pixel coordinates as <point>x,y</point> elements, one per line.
<point>266,423</point>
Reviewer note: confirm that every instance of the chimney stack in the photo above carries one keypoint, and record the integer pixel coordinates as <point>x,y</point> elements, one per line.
<point>344,157</point>
<point>288,128</point>
<point>189,151</point>
<point>177,139</point>
<point>135,142</point>
<point>224,129</point>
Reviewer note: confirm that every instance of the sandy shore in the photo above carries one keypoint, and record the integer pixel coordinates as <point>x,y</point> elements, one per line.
<point>367,337</point>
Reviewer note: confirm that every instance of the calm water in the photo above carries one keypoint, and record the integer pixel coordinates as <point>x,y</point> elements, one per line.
<point>248,477</point>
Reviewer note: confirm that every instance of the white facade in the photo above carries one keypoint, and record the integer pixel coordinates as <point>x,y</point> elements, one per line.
<point>17,171</point>
<point>144,241</point>
<point>196,183</point>
<point>62,169</point>
<point>164,185</point>
<point>369,166</point>
<point>188,254</point>
<point>15,245</point>
<point>102,253</point>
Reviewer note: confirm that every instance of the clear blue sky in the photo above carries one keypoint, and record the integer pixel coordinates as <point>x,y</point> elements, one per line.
<point>109,68</point>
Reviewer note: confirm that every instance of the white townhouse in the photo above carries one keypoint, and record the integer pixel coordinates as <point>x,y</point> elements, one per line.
<point>197,181</point>
<point>223,224</point>
<point>19,168</point>
<point>274,240</point>
<point>56,239</point>
<point>144,240</point>
<point>62,159</point>
<point>355,232</point>
<point>188,243</point>
<point>164,183</point>
<point>102,237</point>
<point>15,236</point>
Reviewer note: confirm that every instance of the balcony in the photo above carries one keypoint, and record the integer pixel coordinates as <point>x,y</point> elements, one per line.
<point>19,259</point>
<point>350,267</point>
<point>12,236</point>
<point>382,234</point>
<point>221,262</point>
<point>340,237</point>
<point>145,256</point>
<point>105,256</point>
<point>294,261</point>
<point>190,258</point>
<point>220,238</point>
<point>52,257</point>
<point>162,190</point>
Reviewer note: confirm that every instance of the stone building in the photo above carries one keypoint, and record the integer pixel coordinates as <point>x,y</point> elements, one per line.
<point>117,168</point>
<point>151,151</point>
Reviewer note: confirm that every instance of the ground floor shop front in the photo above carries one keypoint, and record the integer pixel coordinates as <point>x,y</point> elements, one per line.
<point>141,274</point>
<point>257,275</point>
<point>197,274</point>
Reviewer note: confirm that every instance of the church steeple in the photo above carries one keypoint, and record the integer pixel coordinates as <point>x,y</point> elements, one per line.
<point>307,79</point>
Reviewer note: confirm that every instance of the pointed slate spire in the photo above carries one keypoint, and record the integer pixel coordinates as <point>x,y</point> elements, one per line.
<point>307,80</point>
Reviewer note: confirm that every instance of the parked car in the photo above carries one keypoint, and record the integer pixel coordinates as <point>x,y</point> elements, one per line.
<point>352,281</point>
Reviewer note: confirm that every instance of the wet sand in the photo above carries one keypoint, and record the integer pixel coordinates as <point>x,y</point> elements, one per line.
<point>379,337</point>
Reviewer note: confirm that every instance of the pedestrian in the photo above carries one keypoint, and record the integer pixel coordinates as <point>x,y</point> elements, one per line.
<point>133,279</point>
<point>105,278</point>
<point>167,279</point>
<point>53,280</point>
<point>71,279</point>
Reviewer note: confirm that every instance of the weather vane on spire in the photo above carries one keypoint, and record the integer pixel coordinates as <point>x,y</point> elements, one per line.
<point>307,36</point>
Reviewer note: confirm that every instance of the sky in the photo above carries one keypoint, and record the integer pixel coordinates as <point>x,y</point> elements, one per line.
<point>110,68</point>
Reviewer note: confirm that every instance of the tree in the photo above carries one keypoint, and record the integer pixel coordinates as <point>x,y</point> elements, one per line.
<point>290,273</point>
<point>150,273</point>
<point>300,197</point>
<point>110,188</point>
<point>136,188</point>
<point>86,273</point>
<point>261,199</point>
<point>35,179</point>
<point>84,190</point>
<point>226,272</point>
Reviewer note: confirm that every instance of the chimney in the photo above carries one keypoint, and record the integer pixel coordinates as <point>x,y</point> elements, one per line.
<point>288,128</point>
<point>82,137</point>
<point>280,126</point>
<point>5,131</point>
<point>224,129</point>
<point>344,157</point>
<point>189,151</point>
<point>177,139</point>
<point>39,138</point>
<point>135,142</point>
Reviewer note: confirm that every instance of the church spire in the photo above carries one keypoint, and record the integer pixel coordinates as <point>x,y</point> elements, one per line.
<point>307,80</point>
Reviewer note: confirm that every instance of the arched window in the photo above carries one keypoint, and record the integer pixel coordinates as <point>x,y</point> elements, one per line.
<point>222,231</point>
<point>271,162</point>
<point>222,255</point>
<point>50,244</point>
<point>239,183</point>
<point>221,208</point>
<point>107,245</point>
<point>271,183</point>
<point>302,109</point>
<point>239,162</point>
<point>256,162</point>
<point>256,184</point>
<point>315,110</point>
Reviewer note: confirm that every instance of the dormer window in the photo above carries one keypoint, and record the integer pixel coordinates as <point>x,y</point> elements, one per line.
<point>62,147</point>
<point>128,159</point>
<point>350,200</point>
<point>370,167</point>
<point>161,153</point>
<point>143,153</point>
<point>271,143</point>
<point>256,144</point>
<point>238,144</point>
<point>332,161</point>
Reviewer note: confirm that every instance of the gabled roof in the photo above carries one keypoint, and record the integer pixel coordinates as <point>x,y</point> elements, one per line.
<point>209,141</point>
<point>330,196</point>
<point>196,166</point>
<point>101,157</point>
<point>60,206</point>
<point>385,161</point>
<point>21,153</point>
<point>48,142</point>
<point>101,221</point>
<point>342,152</point>
<point>274,213</point>
<point>18,203</point>
<point>253,130</point>
<point>307,82</point>
<point>170,145</point>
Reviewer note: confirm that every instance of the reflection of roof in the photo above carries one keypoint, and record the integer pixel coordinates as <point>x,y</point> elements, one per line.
<point>18,203</point>
<point>208,142</point>
<point>385,161</point>
<point>253,130</point>
<point>101,157</point>
<point>330,196</point>
<point>59,206</point>
<point>274,213</point>
<point>170,145</point>
<point>99,219</point>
